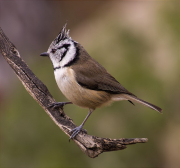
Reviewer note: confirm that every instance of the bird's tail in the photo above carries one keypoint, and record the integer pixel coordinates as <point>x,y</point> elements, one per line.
<point>133,98</point>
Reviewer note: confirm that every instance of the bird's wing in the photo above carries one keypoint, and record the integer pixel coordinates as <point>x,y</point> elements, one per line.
<point>91,75</point>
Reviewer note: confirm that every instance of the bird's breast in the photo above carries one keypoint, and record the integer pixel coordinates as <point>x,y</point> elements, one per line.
<point>66,81</point>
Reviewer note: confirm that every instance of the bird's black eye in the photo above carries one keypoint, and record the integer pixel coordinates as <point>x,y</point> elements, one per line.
<point>53,51</point>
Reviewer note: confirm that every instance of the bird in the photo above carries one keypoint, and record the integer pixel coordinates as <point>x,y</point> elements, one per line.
<point>84,81</point>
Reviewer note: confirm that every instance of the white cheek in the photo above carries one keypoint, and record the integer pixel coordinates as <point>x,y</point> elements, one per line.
<point>60,52</point>
<point>69,55</point>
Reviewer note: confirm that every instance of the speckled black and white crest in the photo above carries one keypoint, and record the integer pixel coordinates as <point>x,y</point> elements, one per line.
<point>64,34</point>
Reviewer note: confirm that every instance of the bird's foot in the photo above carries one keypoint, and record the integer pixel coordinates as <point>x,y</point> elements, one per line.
<point>58,104</point>
<point>76,131</point>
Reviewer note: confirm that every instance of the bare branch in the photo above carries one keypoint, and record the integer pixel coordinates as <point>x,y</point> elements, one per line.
<point>90,145</point>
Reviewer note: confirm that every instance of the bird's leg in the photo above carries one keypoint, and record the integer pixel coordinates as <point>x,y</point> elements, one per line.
<point>76,130</point>
<point>58,104</point>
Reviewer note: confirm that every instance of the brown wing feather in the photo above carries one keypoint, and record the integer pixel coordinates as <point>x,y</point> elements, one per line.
<point>91,75</point>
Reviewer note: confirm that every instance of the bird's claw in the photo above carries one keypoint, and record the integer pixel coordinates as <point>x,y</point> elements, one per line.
<point>58,104</point>
<point>76,131</point>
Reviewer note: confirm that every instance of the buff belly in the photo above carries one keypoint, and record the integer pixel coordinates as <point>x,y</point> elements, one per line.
<point>78,95</point>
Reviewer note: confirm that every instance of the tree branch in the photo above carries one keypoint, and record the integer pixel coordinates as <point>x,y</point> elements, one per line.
<point>90,145</point>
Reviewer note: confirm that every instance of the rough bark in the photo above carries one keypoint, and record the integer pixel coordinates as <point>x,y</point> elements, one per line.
<point>90,145</point>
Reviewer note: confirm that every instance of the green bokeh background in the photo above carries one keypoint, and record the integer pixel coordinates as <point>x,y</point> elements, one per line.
<point>137,42</point>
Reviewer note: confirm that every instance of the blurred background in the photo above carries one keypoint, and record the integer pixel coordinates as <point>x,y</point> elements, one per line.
<point>137,42</point>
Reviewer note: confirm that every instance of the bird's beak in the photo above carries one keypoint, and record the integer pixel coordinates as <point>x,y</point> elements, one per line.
<point>45,54</point>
